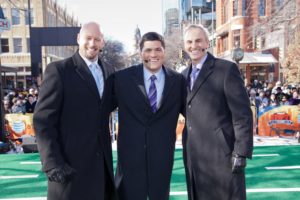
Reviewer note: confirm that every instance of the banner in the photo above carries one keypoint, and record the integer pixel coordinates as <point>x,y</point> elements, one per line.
<point>279,121</point>
<point>19,125</point>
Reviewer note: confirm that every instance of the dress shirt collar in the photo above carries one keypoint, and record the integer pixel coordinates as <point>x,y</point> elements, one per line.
<point>200,64</point>
<point>88,62</point>
<point>148,74</point>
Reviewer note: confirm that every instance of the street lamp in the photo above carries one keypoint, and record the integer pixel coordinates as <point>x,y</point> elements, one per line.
<point>212,21</point>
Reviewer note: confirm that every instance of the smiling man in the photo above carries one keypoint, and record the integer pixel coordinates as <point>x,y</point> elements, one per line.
<point>149,98</point>
<point>76,155</point>
<point>218,136</point>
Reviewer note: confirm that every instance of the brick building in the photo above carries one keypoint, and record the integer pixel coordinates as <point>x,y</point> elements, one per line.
<point>15,48</point>
<point>262,28</point>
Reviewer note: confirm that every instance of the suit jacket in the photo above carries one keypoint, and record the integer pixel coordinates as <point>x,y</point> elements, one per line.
<point>218,124</point>
<point>67,122</point>
<point>146,140</point>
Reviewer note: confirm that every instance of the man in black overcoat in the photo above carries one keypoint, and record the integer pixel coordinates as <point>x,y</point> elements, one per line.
<point>75,152</point>
<point>149,97</point>
<point>218,136</point>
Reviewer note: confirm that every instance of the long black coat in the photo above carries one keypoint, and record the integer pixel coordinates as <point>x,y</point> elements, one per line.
<point>218,123</point>
<point>146,141</point>
<point>67,122</point>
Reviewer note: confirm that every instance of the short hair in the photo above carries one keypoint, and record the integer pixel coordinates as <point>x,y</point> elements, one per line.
<point>197,26</point>
<point>151,36</point>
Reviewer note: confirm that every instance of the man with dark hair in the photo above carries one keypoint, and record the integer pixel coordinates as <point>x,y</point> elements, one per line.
<point>149,97</point>
<point>76,154</point>
<point>218,136</point>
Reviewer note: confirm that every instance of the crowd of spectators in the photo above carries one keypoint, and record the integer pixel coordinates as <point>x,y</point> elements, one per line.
<point>20,101</point>
<point>264,94</point>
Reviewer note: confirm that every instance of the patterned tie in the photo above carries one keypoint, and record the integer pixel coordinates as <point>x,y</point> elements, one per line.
<point>152,95</point>
<point>193,76</point>
<point>97,76</point>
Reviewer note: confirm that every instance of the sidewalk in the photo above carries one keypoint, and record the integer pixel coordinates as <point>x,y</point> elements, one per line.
<point>274,141</point>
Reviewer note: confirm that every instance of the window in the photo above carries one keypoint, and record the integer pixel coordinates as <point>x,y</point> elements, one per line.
<point>235,7</point>
<point>261,8</point>
<point>4,45</point>
<point>15,13</point>
<point>4,12</point>
<point>224,12</point>
<point>236,38</point>
<point>225,43</point>
<point>17,45</point>
<point>27,17</point>
<point>28,44</point>
<point>244,7</point>
<point>277,5</point>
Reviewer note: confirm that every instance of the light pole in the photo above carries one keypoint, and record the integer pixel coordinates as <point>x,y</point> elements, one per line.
<point>212,22</point>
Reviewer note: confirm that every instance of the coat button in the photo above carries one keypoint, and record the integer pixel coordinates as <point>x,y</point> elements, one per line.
<point>145,146</point>
<point>190,106</point>
<point>190,128</point>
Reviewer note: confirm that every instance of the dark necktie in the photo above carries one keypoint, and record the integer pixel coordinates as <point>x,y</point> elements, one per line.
<point>193,76</point>
<point>152,95</point>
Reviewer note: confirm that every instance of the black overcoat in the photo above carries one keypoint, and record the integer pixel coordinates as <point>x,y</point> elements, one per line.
<point>146,140</point>
<point>218,123</point>
<point>67,122</point>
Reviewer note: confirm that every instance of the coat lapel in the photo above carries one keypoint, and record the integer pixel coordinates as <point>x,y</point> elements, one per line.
<point>85,74</point>
<point>205,72</point>
<point>138,78</point>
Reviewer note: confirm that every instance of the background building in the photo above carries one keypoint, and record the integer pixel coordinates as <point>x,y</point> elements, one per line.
<point>262,28</point>
<point>170,15</point>
<point>15,48</point>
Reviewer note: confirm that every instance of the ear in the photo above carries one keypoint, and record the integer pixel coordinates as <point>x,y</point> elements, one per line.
<point>78,38</point>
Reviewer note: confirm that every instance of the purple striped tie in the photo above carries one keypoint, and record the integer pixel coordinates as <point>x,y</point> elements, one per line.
<point>152,95</point>
<point>193,76</point>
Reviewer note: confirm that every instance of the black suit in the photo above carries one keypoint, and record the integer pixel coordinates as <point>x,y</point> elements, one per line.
<point>146,140</point>
<point>218,124</point>
<point>67,123</point>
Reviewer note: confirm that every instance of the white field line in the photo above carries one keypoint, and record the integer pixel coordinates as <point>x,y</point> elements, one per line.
<point>265,155</point>
<point>19,176</point>
<point>29,198</point>
<point>258,190</point>
<point>282,167</point>
<point>181,193</point>
<point>31,163</point>
<point>273,190</point>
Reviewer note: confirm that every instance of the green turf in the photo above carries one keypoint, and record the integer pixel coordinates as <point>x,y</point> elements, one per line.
<point>256,174</point>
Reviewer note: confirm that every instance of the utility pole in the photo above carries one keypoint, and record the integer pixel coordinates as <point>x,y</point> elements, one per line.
<point>4,25</point>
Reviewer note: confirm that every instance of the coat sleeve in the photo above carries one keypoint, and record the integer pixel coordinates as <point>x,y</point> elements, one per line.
<point>46,118</point>
<point>239,106</point>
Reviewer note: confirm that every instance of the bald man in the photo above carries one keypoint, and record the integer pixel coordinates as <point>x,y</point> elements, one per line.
<point>76,154</point>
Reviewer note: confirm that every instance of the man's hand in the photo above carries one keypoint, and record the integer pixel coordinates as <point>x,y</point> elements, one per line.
<point>238,163</point>
<point>60,174</point>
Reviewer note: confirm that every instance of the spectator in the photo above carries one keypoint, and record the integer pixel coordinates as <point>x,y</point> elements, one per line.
<point>7,106</point>
<point>273,101</point>
<point>295,100</point>
<point>279,94</point>
<point>30,104</point>
<point>284,100</point>
<point>18,106</point>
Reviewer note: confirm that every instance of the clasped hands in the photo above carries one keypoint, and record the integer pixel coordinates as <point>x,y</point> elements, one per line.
<point>61,174</point>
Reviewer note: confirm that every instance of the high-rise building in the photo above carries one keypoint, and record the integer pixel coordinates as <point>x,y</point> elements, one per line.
<point>170,14</point>
<point>15,43</point>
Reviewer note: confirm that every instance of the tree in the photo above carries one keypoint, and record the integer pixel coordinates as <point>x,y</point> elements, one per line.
<point>291,64</point>
<point>174,49</point>
<point>114,54</point>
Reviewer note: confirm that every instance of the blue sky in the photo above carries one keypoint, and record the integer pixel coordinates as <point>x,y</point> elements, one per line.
<point>119,18</point>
